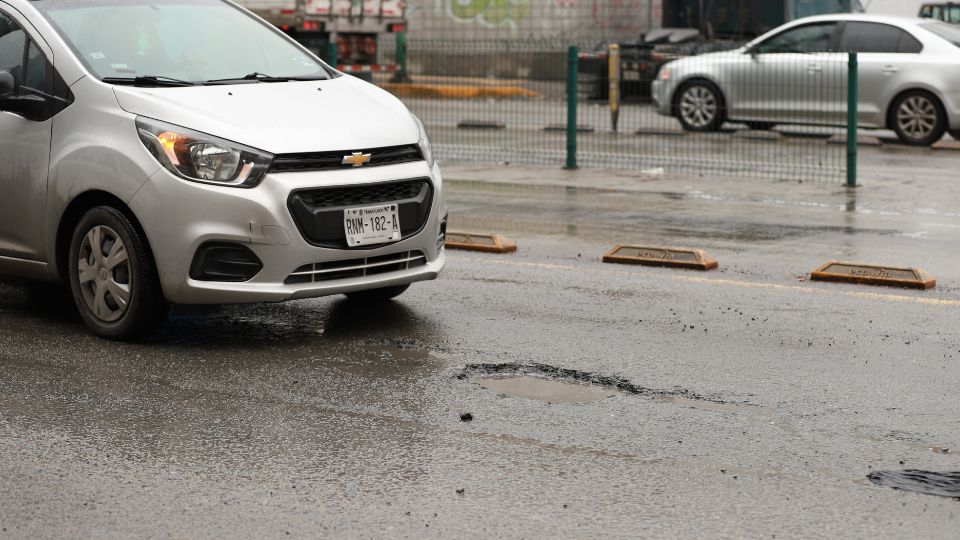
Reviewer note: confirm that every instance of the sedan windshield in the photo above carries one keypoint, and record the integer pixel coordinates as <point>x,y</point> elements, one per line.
<point>192,41</point>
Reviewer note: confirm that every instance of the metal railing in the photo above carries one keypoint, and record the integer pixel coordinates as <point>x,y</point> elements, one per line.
<point>782,116</point>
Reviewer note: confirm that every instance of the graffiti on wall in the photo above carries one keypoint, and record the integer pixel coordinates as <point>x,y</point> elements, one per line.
<point>490,13</point>
<point>536,17</point>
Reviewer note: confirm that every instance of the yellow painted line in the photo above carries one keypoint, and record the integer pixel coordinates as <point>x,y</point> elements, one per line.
<point>735,283</point>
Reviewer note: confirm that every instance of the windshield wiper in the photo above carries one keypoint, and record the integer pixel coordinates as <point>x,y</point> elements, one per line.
<point>251,77</point>
<point>148,80</point>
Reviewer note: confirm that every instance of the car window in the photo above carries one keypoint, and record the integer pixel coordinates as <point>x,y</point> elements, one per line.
<point>952,14</point>
<point>35,73</point>
<point>12,41</point>
<point>867,37</point>
<point>809,38</point>
<point>946,31</point>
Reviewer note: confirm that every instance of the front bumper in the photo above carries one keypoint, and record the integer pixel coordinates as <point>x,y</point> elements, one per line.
<point>660,93</point>
<point>179,216</point>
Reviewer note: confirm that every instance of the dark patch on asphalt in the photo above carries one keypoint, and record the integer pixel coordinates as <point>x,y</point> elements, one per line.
<point>941,484</point>
<point>611,382</point>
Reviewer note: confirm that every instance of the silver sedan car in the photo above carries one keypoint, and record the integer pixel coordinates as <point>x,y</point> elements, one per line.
<point>909,78</point>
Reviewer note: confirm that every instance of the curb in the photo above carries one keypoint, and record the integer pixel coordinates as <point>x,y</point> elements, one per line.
<point>450,91</point>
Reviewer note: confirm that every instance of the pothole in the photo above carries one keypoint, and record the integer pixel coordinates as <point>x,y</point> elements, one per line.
<point>941,484</point>
<point>544,389</point>
<point>703,405</point>
<point>557,385</point>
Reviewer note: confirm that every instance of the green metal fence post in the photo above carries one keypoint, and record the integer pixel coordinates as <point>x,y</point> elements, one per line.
<point>332,53</point>
<point>401,75</point>
<point>572,76</point>
<point>852,102</point>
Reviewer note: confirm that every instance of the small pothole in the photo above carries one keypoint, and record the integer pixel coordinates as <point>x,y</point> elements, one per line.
<point>544,389</point>
<point>941,484</point>
<point>558,385</point>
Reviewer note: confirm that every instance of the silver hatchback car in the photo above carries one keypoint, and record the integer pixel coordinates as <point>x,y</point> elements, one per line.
<point>185,151</point>
<point>909,78</point>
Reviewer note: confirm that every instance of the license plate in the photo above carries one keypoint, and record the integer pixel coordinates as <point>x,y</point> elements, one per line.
<point>371,225</point>
<point>631,76</point>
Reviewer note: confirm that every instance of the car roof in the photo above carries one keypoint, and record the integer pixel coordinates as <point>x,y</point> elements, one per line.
<point>912,23</point>
<point>862,17</point>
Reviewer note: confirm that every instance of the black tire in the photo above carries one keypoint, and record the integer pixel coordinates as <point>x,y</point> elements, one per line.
<point>918,118</point>
<point>384,294</point>
<point>106,313</point>
<point>760,126</point>
<point>699,105</point>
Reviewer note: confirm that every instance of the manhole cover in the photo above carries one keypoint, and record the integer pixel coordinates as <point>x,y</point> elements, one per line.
<point>542,389</point>
<point>942,484</point>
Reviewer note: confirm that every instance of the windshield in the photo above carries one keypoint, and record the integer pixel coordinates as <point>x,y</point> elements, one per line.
<point>187,40</point>
<point>948,32</point>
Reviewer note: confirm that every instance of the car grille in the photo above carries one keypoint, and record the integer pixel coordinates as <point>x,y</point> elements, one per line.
<point>318,212</point>
<point>355,268</point>
<point>328,161</point>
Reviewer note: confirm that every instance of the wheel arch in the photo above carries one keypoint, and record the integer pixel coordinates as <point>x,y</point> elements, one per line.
<point>71,217</point>
<point>686,81</point>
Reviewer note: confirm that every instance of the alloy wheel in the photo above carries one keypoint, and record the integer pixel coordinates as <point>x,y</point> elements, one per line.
<point>104,274</point>
<point>917,117</point>
<point>698,106</point>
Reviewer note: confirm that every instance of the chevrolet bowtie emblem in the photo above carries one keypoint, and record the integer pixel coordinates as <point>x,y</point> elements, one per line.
<point>357,159</point>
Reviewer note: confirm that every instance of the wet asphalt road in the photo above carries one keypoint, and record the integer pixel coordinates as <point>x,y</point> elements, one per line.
<point>758,401</point>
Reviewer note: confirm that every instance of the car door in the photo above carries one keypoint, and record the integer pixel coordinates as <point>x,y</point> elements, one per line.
<point>886,55</point>
<point>24,144</point>
<point>787,79</point>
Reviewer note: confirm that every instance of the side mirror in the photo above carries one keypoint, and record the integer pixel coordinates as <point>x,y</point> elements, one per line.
<point>8,85</point>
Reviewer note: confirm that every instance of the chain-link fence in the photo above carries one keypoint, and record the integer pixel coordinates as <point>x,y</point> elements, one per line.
<point>490,80</point>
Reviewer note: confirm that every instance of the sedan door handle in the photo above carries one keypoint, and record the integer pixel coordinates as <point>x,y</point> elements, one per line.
<point>813,69</point>
<point>890,70</point>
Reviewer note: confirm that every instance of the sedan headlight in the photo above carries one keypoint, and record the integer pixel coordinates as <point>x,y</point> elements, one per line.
<point>424,143</point>
<point>203,158</point>
<point>664,74</point>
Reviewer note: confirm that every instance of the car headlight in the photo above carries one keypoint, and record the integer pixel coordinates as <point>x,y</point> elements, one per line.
<point>424,143</point>
<point>664,74</point>
<point>203,158</point>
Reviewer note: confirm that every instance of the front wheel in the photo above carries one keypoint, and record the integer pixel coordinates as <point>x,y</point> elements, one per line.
<point>377,295</point>
<point>919,118</point>
<point>112,276</point>
<point>700,106</point>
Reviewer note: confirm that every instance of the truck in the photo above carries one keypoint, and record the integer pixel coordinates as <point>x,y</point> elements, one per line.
<point>948,12</point>
<point>358,28</point>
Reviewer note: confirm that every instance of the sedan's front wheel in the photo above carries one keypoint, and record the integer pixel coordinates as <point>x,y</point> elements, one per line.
<point>919,118</point>
<point>700,106</point>
<point>112,276</point>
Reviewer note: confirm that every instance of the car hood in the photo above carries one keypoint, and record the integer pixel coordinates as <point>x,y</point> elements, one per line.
<point>299,116</point>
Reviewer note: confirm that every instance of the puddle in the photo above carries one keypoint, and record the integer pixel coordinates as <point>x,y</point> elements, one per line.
<point>941,484</point>
<point>543,389</point>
